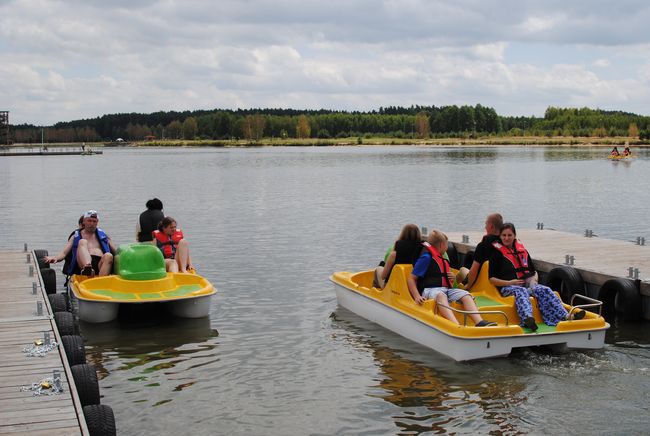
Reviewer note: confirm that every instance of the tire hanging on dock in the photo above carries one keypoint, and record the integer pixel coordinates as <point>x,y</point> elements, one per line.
<point>85,379</point>
<point>58,303</point>
<point>65,323</point>
<point>468,260</point>
<point>621,295</point>
<point>74,349</point>
<point>40,258</point>
<point>100,420</point>
<point>566,281</point>
<point>49,280</point>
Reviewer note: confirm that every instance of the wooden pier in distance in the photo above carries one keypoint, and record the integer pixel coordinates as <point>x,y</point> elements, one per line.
<point>48,151</point>
<point>20,325</point>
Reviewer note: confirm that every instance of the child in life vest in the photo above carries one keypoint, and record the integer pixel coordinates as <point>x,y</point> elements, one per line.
<point>175,249</point>
<point>432,279</point>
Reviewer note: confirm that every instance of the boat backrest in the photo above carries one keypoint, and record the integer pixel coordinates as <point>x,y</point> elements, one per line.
<point>397,282</point>
<point>140,261</point>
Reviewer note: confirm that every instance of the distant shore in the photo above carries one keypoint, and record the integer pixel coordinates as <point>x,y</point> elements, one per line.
<point>490,141</point>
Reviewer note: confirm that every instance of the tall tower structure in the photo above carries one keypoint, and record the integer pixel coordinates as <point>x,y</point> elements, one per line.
<point>4,127</point>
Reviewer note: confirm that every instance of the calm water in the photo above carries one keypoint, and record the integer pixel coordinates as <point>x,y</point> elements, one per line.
<point>277,356</point>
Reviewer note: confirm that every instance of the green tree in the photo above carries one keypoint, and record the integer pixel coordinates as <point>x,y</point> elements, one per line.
<point>190,128</point>
<point>253,127</point>
<point>174,130</point>
<point>633,130</point>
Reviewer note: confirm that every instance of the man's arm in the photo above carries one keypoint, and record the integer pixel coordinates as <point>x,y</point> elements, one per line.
<point>59,257</point>
<point>112,246</point>
<point>472,275</point>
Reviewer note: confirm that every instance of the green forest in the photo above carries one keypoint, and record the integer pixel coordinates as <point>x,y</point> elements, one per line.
<point>416,122</point>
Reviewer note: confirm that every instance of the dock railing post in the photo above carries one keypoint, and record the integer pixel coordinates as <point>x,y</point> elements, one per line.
<point>425,232</point>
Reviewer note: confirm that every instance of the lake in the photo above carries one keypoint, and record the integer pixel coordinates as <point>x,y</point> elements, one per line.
<point>267,226</point>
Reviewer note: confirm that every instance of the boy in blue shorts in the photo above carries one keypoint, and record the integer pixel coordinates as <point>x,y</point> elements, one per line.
<point>432,279</point>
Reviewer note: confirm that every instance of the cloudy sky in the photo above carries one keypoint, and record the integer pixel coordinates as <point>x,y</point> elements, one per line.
<point>65,60</point>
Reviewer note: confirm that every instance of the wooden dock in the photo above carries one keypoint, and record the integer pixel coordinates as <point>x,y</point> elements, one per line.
<point>597,259</point>
<point>52,151</point>
<point>20,411</point>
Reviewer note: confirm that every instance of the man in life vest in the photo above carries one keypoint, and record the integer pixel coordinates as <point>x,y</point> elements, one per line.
<point>175,249</point>
<point>484,249</point>
<point>148,220</point>
<point>432,279</point>
<point>91,248</point>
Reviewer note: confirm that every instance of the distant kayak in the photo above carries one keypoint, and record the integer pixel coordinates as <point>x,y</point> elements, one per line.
<point>619,157</point>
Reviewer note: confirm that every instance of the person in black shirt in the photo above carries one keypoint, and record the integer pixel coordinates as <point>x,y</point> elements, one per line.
<point>406,249</point>
<point>149,219</point>
<point>484,249</point>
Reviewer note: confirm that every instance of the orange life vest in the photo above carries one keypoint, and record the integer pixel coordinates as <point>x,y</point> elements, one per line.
<point>443,264</point>
<point>167,244</point>
<point>517,257</point>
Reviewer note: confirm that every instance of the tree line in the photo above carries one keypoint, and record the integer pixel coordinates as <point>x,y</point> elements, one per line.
<point>393,121</point>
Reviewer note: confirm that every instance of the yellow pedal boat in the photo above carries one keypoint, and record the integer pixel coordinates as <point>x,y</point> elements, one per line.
<point>141,279</point>
<point>619,157</point>
<point>394,308</point>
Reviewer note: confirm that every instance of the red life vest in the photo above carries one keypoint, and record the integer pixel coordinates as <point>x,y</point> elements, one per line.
<point>443,264</point>
<point>518,258</point>
<point>166,244</point>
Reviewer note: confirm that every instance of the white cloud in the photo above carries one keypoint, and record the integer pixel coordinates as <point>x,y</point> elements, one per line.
<point>78,59</point>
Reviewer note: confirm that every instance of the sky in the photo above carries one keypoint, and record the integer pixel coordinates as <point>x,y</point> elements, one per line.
<point>75,59</point>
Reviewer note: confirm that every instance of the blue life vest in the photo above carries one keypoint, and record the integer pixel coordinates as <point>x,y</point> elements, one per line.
<point>103,241</point>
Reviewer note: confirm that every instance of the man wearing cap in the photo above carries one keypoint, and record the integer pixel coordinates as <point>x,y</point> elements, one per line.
<point>484,249</point>
<point>92,250</point>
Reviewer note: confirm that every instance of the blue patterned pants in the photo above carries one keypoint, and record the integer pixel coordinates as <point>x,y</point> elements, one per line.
<point>549,304</point>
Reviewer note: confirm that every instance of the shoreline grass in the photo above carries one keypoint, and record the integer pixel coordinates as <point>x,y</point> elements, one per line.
<point>487,141</point>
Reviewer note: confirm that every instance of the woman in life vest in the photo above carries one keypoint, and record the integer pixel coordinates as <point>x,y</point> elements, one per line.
<point>627,151</point>
<point>615,152</point>
<point>513,273</point>
<point>175,249</point>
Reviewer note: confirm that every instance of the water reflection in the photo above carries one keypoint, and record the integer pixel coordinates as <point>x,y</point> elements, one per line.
<point>153,343</point>
<point>436,394</point>
<point>473,155</point>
